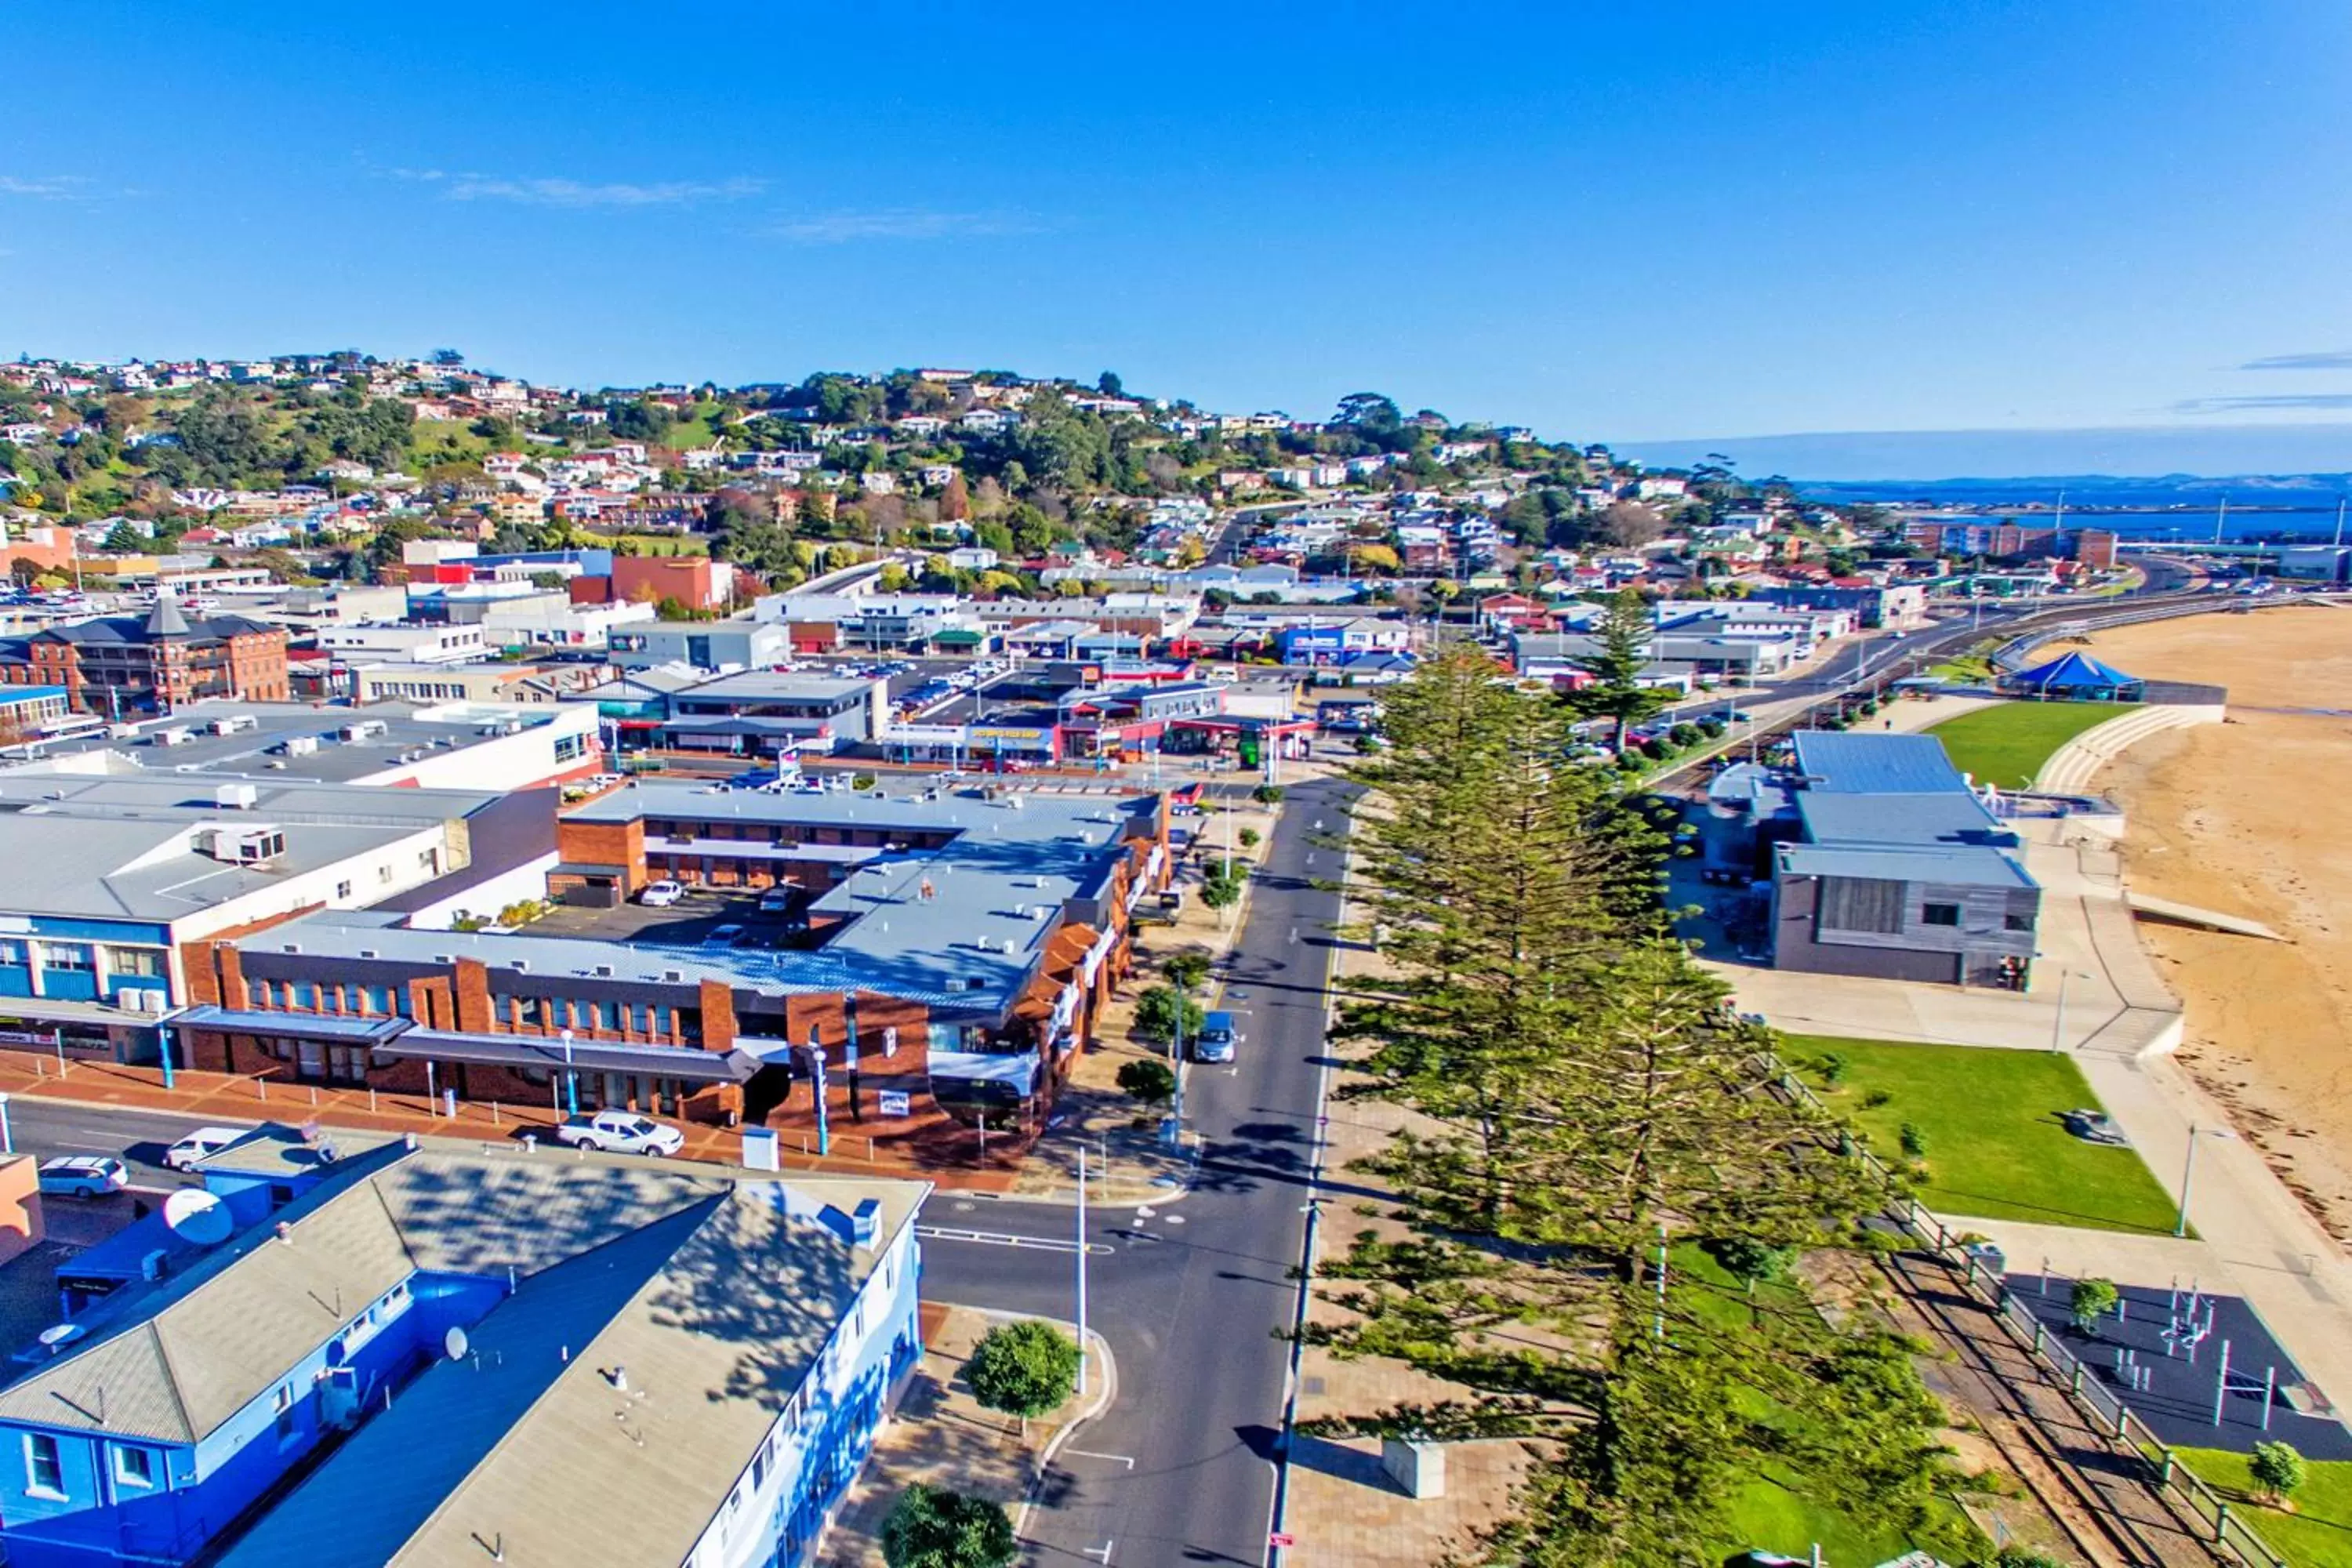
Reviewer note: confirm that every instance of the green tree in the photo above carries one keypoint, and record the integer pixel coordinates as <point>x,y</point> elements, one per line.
<point>1187,970</point>
<point>1615,665</point>
<point>930,1527</point>
<point>2090,1300</point>
<point>1149,1079</point>
<point>1157,1012</point>
<point>1221,889</point>
<point>124,540</point>
<point>1024,1368</point>
<point>2277,1469</point>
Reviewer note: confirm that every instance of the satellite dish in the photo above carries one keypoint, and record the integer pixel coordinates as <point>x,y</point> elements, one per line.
<point>198,1217</point>
<point>55,1340</point>
<point>454,1343</point>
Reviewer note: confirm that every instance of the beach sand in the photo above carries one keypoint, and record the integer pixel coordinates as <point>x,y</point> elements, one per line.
<point>2253,817</point>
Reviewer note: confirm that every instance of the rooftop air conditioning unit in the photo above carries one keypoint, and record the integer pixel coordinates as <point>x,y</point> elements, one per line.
<point>236,797</point>
<point>177,735</point>
<point>298,746</point>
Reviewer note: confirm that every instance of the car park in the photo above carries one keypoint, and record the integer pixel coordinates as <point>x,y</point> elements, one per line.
<point>83,1176</point>
<point>661,895</point>
<point>201,1145</point>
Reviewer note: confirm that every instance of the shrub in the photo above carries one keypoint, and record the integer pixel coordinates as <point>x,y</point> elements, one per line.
<point>1832,1068</point>
<point>1156,1013</point>
<point>1248,836</point>
<point>2091,1301</point>
<point>862,781</point>
<point>2277,1467</point>
<point>1186,969</point>
<point>1268,795</point>
<point>1914,1142</point>
<point>1149,1079</point>
<point>1684,734</point>
<point>1749,1260</point>
<point>1875,1098</point>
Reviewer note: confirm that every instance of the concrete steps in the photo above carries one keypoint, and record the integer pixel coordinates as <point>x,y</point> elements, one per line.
<point>2071,767</point>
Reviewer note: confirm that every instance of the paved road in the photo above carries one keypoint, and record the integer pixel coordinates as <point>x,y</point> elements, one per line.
<point>1190,1296</point>
<point>140,1136</point>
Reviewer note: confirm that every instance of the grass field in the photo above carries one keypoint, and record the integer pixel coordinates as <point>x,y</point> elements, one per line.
<point>1995,1147</point>
<point>2007,745</point>
<point>2318,1534</point>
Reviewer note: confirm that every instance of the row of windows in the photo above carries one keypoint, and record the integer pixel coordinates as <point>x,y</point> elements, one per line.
<point>148,962</point>
<point>44,1470</point>
<point>520,1012</point>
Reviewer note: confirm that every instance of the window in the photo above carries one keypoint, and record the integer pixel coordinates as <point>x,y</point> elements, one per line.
<point>608,1016</point>
<point>145,962</point>
<point>528,1011</point>
<point>379,999</point>
<point>1939,914</point>
<point>571,748</point>
<point>343,890</point>
<point>428,859</point>
<point>2017,922</point>
<point>12,953</point>
<point>303,995</point>
<point>285,1411</point>
<point>383,873</point>
<point>65,955</point>
<point>45,1471</point>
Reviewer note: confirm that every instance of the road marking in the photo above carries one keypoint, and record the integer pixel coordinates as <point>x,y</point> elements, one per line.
<point>1102,1552</point>
<point>1114,1458</point>
<point>1172,1219</point>
<point>1004,1238</point>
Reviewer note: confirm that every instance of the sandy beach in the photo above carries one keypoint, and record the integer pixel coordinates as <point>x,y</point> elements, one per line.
<point>2251,817</point>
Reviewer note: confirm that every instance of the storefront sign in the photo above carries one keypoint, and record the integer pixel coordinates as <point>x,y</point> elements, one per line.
<point>896,1103</point>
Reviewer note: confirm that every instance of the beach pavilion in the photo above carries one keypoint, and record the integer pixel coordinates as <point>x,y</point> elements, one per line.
<point>2075,678</point>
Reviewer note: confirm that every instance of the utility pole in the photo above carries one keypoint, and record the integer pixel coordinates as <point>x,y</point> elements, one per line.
<point>1176,1061</point>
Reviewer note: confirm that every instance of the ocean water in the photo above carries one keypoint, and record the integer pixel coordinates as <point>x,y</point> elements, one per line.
<point>2193,527</point>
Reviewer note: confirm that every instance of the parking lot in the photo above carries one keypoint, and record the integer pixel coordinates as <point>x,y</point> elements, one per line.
<point>689,923</point>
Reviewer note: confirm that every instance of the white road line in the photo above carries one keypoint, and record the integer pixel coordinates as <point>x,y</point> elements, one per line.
<point>1102,1552</point>
<point>1114,1458</point>
<point>1004,1238</point>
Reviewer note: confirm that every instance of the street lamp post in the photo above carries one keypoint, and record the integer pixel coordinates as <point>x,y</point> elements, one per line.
<point>1082,1269</point>
<point>2189,1172</point>
<point>571,1079</point>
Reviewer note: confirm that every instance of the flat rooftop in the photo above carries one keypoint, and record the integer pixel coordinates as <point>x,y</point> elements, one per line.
<point>769,685</point>
<point>258,750</point>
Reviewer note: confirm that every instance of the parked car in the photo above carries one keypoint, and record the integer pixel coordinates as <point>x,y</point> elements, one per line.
<point>1216,1039</point>
<point>727,935</point>
<point>661,895</point>
<point>201,1145</point>
<point>83,1176</point>
<point>620,1133</point>
<point>777,901</point>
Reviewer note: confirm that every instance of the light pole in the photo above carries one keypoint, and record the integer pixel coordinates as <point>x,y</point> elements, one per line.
<point>7,1136</point>
<point>2189,1172</point>
<point>2058,1026</point>
<point>571,1079</point>
<point>1082,1269</point>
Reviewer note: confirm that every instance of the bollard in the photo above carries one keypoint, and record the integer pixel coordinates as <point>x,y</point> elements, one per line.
<point>2120,1414</point>
<point>2220,1522</point>
<point>2037,1336</point>
<point>2164,1476</point>
<point>494,1115</point>
<point>314,1096</point>
<point>2077,1388</point>
<point>371,1100</point>
<point>261,1088</point>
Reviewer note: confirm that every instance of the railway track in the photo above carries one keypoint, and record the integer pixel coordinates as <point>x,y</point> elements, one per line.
<point>2097,1489</point>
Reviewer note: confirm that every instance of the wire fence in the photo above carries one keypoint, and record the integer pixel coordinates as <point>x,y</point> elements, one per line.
<point>2103,1409</point>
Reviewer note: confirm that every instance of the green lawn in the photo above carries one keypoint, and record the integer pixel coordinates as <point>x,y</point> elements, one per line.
<point>1995,1147</point>
<point>2007,745</point>
<point>2318,1534</point>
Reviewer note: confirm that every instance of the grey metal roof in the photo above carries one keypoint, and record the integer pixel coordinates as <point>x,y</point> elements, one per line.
<point>1945,817</point>
<point>762,684</point>
<point>1862,763</point>
<point>254,752</point>
<point>1961,864</point>
<point>716,1295</point>
<point>147,868</point>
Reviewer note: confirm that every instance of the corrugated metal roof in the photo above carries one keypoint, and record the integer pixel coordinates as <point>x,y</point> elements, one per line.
<point>1961,864</point>
<point>1861,763</point>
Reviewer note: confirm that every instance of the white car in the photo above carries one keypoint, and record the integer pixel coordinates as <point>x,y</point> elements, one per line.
<point>723,936</point>
<point>661,895</point>
<point>83,1176</point>
<point>621,1132</point>
<point>201,1145</point>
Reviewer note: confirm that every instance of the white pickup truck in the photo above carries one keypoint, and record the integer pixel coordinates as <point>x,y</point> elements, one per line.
<point>621,1132</point>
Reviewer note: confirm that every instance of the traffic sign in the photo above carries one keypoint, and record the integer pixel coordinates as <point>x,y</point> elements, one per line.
<point>1280,1538</point>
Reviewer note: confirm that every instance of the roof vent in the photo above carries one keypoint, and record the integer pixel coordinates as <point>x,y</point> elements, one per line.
<point>522,966</point>
<point>674,976</point>
<point>291,947</point>
<point>605,972</point>
<point>445,958</point>
<point>370,952</point>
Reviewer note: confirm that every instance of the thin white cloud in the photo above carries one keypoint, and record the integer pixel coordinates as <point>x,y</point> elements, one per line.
<point>2331,359</point>
<point>898,223</point>
<point>2265,403</point>
<point>45,187</point>
<point>581,194</point>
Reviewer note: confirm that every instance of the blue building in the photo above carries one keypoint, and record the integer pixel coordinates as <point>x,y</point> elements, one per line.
<point>420,1346</point>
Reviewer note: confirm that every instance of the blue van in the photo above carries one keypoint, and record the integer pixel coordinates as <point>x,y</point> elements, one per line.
<point>1216,1040</point>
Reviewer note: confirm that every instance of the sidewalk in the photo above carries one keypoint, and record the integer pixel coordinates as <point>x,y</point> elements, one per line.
<point>210,1096</point>
<point>939,1434</point>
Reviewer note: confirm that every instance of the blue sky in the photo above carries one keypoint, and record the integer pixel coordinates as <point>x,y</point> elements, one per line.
<point>1619,221</point>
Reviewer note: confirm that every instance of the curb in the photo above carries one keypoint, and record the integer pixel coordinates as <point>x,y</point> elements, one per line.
<point>1098,1353</point>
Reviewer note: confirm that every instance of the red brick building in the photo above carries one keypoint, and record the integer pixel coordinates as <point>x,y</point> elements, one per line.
<point>117,666</point>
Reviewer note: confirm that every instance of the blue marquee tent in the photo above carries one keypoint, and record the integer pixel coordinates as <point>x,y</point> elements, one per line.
<point>2076,677</point>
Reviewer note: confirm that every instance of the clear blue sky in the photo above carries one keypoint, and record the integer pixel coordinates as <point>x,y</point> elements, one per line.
<point>1620,222</point>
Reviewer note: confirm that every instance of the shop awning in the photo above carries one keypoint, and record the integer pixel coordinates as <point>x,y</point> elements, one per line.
<point>344,1026</point>
<point>587,1056</point>
<point>1018,1070</point>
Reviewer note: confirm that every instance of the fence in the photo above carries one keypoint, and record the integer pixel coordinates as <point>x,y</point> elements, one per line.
<point>2104,1409</point>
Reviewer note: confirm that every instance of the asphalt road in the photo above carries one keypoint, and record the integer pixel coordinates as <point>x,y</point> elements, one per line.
<point>141,1137</point>
<point>1190,1296</point>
